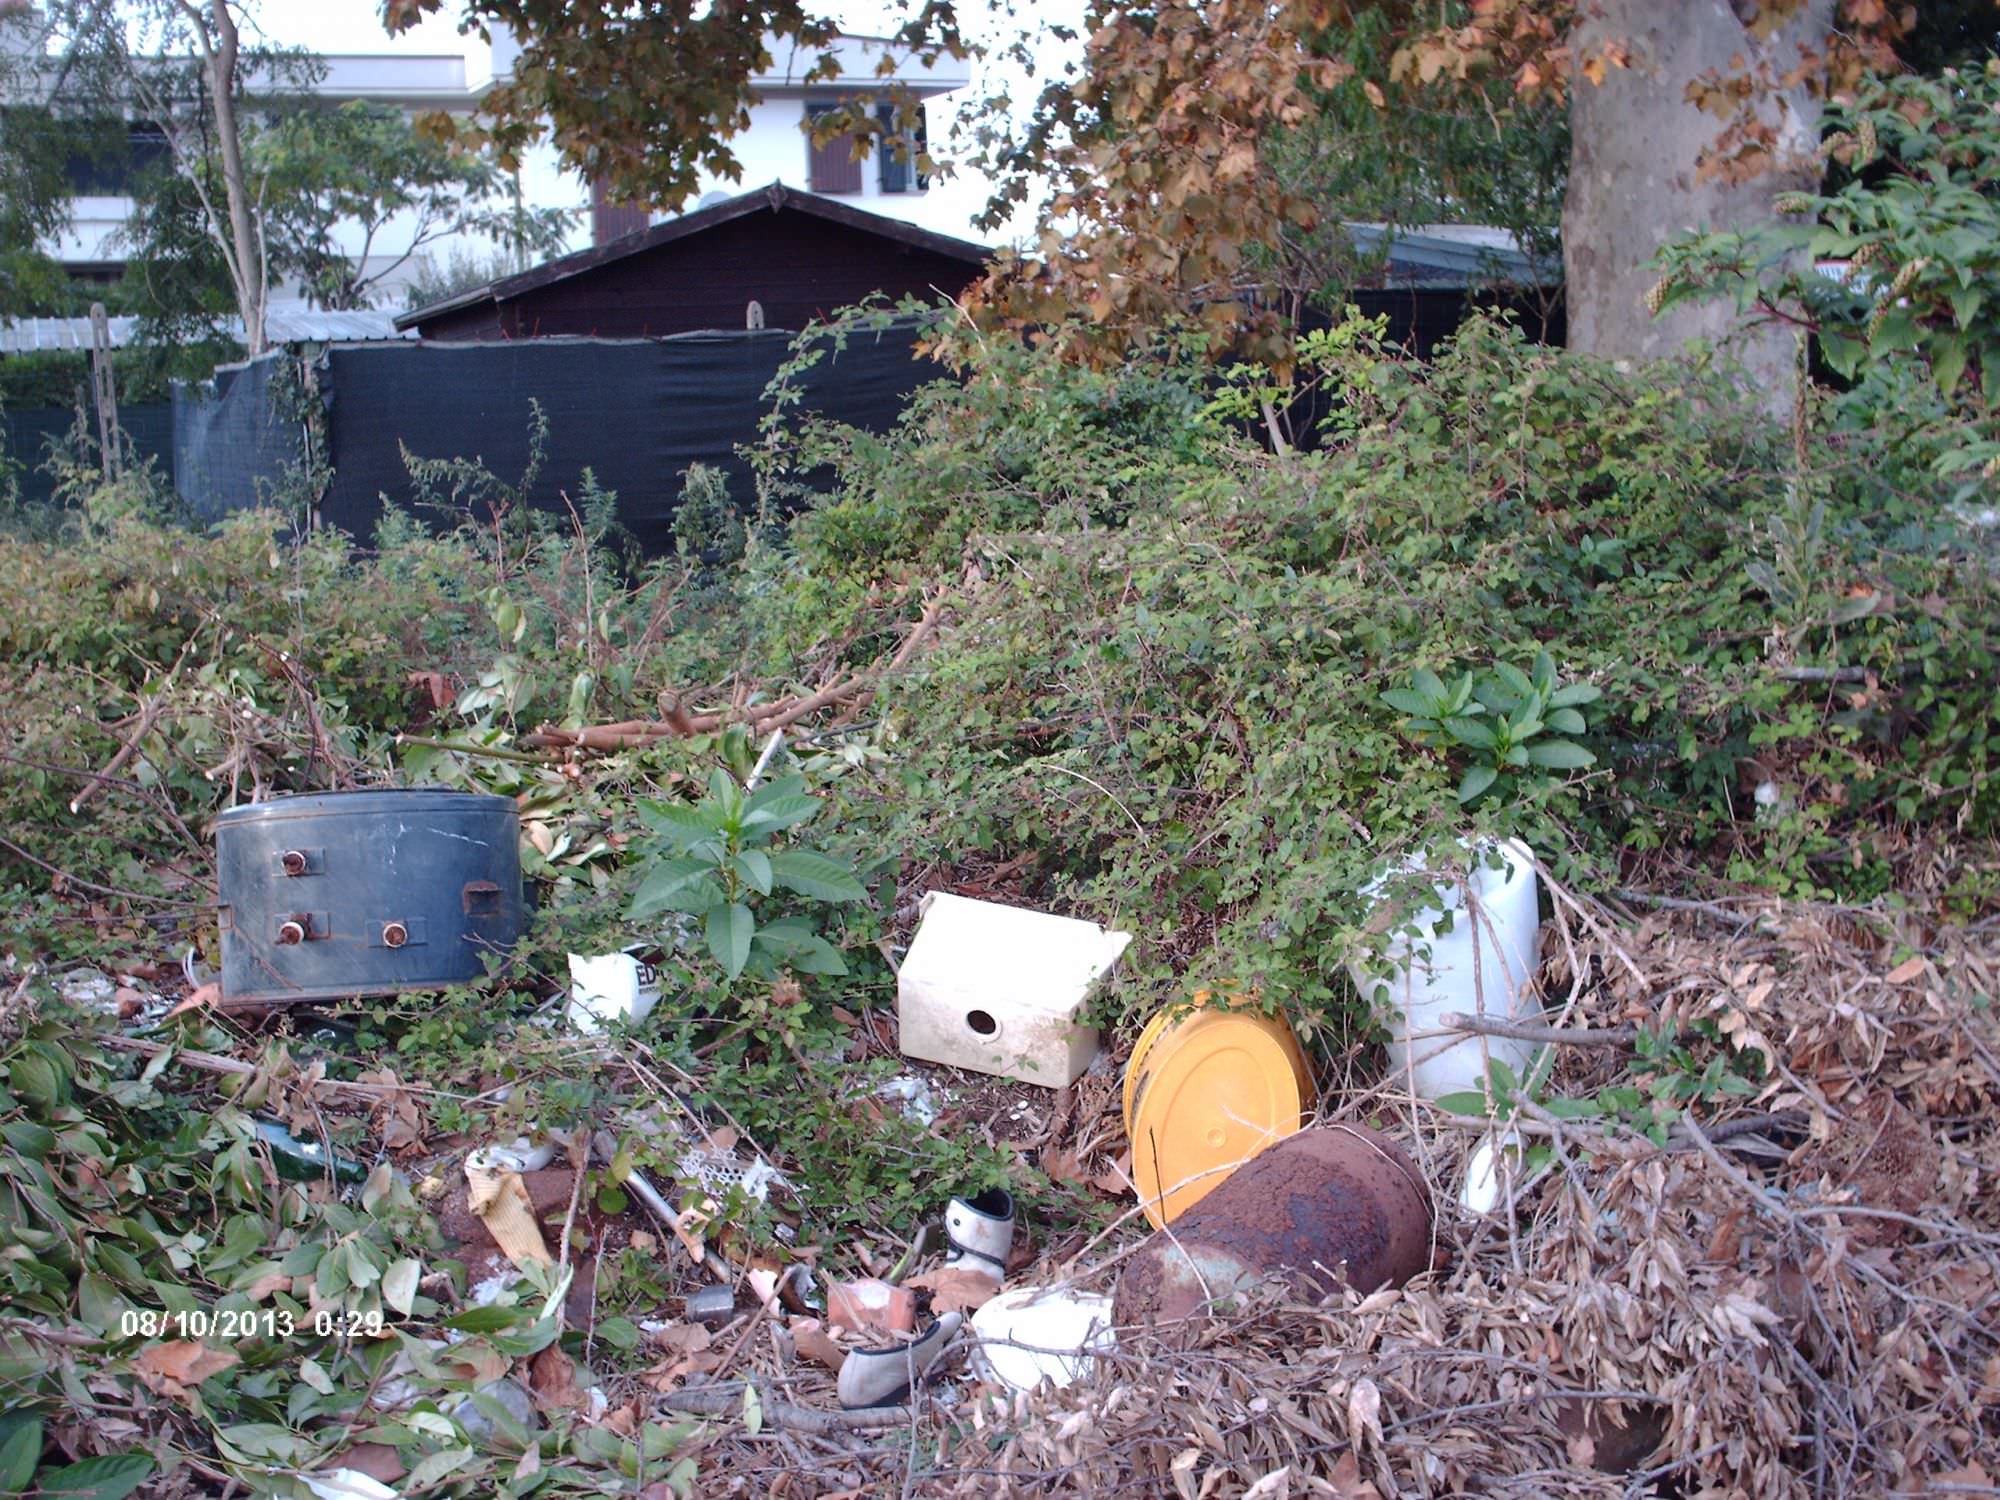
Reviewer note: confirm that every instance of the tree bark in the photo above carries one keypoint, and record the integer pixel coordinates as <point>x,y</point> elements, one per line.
<point>1633,180</point>
<point>251,281</point>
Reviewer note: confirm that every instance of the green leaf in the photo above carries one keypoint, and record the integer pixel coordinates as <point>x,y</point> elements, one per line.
<point>1965,303</point>
<point>815,955</point>
<point>729,929</point>
<point>1573,1109</point>
<point>816,876</point>
<point>680,825</point>
<point>1477,780</point>
<point>1470,732</point>
<point>34,1078</point>
<point>1843,352</point>
<point>726,797</point>
<point>754,867</point>
<point>1574,696</point>
<point>1515,679</point>
<point>109,1478</point>
<point>1894,330</point>
<point>28,1138</point>
<point>619,1333</point>
<point>436,1467</point>
<point>1545,672</point>
<point>1471,1103</point>
<point>671,885</point>
<point>1948,351</point>
<point>20,1449</point>
<point>1560,755</point>
<point>486,1319</point>
<point>783,803</point>
<point>753,1409</point>
<point>1566,721</point>
<point>1428,683</point>
<point>1405,701</point>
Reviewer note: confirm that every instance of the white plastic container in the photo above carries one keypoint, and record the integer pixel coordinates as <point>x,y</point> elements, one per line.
<point>1436,972</point>
<point>999,989</point>
<point>610,987</point>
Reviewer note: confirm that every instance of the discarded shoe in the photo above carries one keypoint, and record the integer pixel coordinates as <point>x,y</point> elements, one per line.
<point>980,1231</point>
<point>877,1377</point>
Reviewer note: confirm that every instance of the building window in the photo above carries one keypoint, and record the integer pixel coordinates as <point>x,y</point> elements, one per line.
<point>898,159</point>
<point>111,159</point>
<point>833,168</point>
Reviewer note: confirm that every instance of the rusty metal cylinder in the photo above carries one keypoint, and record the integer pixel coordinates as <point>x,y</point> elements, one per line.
<point>1333,1204</point>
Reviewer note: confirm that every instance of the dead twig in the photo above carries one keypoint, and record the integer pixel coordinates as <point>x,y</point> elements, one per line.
<point>148,716</point>
<point>1526,1031</point>
<point>726,1399</point>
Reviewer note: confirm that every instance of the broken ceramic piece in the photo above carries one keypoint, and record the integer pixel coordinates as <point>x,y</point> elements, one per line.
<point>1039,1333</point>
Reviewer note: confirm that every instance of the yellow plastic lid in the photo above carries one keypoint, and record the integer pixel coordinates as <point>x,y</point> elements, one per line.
<point>1206,1094</point>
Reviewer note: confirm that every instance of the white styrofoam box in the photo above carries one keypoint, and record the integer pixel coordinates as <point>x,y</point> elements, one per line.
<point>1484,963</point>
<point>999,990</point>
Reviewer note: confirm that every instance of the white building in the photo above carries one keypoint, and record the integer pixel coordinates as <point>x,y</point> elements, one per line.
<point>776,148</point>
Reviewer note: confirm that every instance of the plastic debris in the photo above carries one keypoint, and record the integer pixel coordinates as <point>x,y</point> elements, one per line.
<point>1206,1090</point>
<point>499,1199</point>
<point>1001,990</point>
<point>92,989</point>
<point>1495,1162</point>
<point>913,1097</point>
<point>1446,958</point>
<point>1039,1333</point>
<point>611,987</point>
<point>522,1154</point>
<point>347,1484</point>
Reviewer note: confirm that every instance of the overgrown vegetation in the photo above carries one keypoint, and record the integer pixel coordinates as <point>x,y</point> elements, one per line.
<point>1093,649</point>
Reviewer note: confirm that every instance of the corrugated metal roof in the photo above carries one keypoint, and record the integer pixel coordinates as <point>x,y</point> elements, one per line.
<point>1453,255</point>
<point>282,325</point>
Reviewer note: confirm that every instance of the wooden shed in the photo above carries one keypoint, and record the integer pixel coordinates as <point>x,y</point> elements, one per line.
<point>796,255</point>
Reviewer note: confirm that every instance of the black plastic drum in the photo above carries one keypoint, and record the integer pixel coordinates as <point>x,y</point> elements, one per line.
<point>365,893</point>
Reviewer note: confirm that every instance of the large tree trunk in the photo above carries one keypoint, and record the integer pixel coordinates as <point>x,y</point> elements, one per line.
<point>1632,181</point>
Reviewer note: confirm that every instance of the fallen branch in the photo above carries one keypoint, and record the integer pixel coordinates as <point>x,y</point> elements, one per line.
<point>1524,1031</point>
<point>484,752</point>
<point>211,1062</point>
<point>148,716</point>
<point>851,692</point>
<point>726,1399</point>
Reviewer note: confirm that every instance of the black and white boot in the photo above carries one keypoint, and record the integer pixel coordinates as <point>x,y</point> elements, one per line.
<point>980,1232</point>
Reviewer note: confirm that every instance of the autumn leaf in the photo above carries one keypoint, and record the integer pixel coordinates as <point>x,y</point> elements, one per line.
<point>177,1368</point>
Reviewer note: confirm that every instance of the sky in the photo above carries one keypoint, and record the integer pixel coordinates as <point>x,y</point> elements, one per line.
<point>356,26</point>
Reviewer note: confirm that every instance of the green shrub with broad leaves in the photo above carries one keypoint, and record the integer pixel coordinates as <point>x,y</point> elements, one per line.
<point>718,861</point>
<point>1507,721</point>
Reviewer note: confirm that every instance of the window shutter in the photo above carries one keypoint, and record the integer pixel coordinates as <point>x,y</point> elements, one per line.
<point>898,166</point>
<point>833,167</point>
<point>608,220</point>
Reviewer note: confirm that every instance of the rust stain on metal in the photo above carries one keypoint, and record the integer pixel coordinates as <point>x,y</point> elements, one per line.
<point>1321,1206</point>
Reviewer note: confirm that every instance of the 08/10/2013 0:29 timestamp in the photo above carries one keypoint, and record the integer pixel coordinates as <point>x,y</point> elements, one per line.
<point>247,1323</point>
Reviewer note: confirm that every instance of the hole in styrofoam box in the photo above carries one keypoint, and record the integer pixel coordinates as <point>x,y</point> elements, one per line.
<point>981,1022</point>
